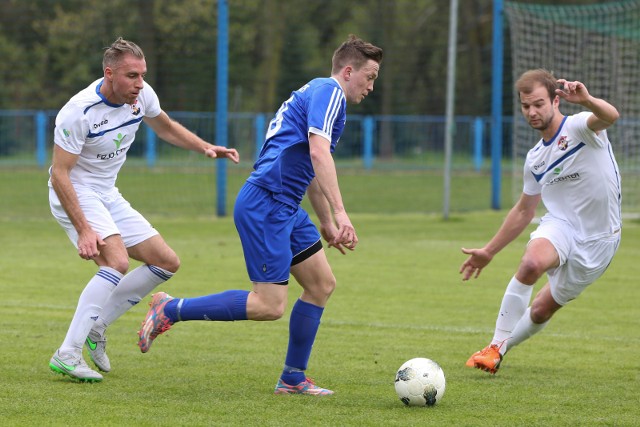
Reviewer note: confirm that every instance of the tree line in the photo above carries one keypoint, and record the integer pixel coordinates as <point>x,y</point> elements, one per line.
<point>50,49</point>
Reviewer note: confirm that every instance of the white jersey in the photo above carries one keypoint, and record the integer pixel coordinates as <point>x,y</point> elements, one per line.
<point>100,133</point>
<point>578,177</point>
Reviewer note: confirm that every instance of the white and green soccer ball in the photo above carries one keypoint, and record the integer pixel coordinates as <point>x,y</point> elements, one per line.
<point>420,382</point>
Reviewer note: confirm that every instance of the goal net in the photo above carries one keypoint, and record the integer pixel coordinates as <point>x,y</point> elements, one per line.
<point>598,45</point>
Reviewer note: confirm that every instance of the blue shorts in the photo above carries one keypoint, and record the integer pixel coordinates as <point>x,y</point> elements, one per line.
<point>274,235</point>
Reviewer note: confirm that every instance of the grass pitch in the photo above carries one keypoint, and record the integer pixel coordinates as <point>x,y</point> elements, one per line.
<point>399,296</point>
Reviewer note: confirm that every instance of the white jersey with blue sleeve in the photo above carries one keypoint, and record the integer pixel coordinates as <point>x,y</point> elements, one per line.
<point>101,133</point>
<point>578,177</point>
<point>284,165</point>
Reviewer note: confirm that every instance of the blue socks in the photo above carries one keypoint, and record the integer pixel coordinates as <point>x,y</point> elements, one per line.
<point>226,306</point>
<point>303,326</point>
<point>232,305</point>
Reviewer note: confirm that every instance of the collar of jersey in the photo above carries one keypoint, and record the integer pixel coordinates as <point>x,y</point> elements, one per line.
<point>547,143</point>
<point>105,100</point>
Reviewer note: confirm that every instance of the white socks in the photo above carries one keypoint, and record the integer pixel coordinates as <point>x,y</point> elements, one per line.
<point>514,304</point>
<point>133,287</point>
<point>524,329</point>
<point>90,304</point>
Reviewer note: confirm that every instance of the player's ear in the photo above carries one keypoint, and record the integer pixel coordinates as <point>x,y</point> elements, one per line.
<point>346,72</point>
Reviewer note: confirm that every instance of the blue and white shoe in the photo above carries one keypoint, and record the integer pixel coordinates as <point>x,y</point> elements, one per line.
<point>305,387</point>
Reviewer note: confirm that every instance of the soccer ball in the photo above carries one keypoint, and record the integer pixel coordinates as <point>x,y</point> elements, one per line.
<point>420,382</point>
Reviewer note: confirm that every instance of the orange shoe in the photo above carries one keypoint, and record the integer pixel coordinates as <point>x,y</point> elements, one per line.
<point>488,359</point>
<point>156,322</point>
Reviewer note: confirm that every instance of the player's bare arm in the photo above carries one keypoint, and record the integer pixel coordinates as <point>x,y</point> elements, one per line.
<point>88,240</point>
<point>327,179</point>
<point>322,208</point>
<point>604,114</point>
<point>176,134</point>
<point>518,218</point>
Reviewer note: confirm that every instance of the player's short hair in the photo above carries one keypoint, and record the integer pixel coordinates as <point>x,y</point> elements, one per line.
<point>355,52</point>
<point>117,50</point>
<point>529,79</point>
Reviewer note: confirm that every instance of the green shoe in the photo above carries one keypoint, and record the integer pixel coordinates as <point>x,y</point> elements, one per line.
<point>97,346</point>
<point>73,366</point>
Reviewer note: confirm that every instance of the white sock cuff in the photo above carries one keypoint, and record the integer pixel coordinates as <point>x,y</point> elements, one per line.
<point>518,288</point>
<point>162,274</point>
<point>110,274</point>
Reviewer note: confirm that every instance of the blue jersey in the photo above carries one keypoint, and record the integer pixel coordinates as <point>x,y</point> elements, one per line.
<point>284,165</point>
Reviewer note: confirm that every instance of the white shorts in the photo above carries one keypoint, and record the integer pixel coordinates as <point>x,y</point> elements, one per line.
<point>581,263</point>
<point>107,213</point>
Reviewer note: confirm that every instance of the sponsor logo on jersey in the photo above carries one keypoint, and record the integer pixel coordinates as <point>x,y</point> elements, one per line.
<point>66,133</point>
<point>563,143</point>
<point>97,125</point>
<point>111,155</point>
<point>118,142</point>
<point>571,177</point>
<point>539,165</point>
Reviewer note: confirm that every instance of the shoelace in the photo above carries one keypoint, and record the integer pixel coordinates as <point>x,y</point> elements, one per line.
<point>496,346</point>
<point>486,350</point>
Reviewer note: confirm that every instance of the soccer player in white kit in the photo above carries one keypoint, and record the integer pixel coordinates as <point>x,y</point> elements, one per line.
<point>93,133</point>
<point>573,171</point>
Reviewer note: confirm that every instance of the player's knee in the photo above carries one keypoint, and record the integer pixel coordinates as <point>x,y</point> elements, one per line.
<point>171,263</point>
<point>329,286</point>
<point>274,312</point>
<point>530,270</point>
<point>540,314</point>
<point>120,264</point>
<point>174,264</point>
<point>322,290</point>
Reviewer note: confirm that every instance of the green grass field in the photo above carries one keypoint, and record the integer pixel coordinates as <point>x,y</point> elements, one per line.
<point>191,192</point>
<point>399,296</point>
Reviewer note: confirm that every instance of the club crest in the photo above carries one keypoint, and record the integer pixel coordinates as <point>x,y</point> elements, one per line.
<point>563,143</point>
<point>135,110</point>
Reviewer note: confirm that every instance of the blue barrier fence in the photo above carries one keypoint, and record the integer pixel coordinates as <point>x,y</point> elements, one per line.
<point>368,142</point>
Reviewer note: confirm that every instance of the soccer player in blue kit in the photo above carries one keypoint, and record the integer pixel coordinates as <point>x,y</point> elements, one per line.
<point>278,238</point>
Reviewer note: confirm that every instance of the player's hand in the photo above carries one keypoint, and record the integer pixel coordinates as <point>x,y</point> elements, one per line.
<point>478,259</point>
<point>214,151</point>
<point>89,243</point>
<point>574,92</point>
<point>329,233</point>
<point>346,236</point>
